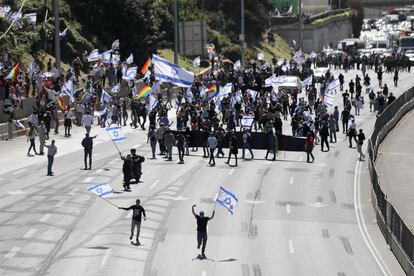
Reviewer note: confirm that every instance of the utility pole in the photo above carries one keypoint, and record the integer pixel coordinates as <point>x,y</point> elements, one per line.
<point>175,8</point>
<point>242,37</point>
<point>57,32</point>
<point>300,26</point>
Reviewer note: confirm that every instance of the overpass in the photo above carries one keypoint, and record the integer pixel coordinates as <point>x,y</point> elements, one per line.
<point>387,3</point>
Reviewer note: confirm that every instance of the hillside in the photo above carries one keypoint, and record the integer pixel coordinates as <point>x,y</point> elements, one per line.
<point>142,26</point>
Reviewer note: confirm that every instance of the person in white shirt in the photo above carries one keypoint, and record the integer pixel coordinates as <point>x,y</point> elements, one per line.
<point>68,122</point>
<point>32,120</point>
<point>87,122</point>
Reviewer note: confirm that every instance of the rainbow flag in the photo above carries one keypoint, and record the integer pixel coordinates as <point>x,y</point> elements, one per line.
<point>61,104</point>
<point>147,65</point>
<point>14,73</point>
<point>145,91</point>
<point>211,93</point>
<point>85,98</point>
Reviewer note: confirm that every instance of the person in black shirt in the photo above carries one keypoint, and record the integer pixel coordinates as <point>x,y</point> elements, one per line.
<point>138,212</point>
<point>202,230</point>
<point>87,144</point>
<point>360,142</point>
<point>233,148</point>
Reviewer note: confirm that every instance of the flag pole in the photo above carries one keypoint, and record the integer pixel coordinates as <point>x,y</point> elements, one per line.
<point>109,202</point>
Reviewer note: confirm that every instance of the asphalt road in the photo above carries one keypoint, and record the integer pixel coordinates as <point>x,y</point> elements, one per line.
<point>293,218</point>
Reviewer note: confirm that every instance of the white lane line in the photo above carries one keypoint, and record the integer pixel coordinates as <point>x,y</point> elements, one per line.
<point>88,179</point>
<point>19,171</point>
<point>154,184</point>
<point>30,233</point>
<point>288,208</point>
<point>300,159</point>
<point>361,220</point>
<point>231,171</point>
<point>291,248</point>
<point>203,273</point>
<point>45,218</point>
<point>12,252</point>
<point>136,146</point>
<point>291,180</point>
<point>105,257</point>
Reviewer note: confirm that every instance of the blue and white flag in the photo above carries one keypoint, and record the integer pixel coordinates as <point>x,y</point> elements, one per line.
<point>116,88</point>
<point>166,71</point>
<point>307,81</point>
<point>189,95</point>
<point>105,97</point>
<point>152,102</point>
<point>247,121</point>
<point>130,59</point>
<point>68,89</point>
<point>63,33</point>
<point>237,65</point>
<point>106,57</point>
<point>226,90</point>
<point>116,134</point>
<point>101,190</point>
<point>94,56</point>
<point>332,85</point>
<point>130,73</point>
<point>252,93</point>
<point>227,199</point>
<point>328,100</point>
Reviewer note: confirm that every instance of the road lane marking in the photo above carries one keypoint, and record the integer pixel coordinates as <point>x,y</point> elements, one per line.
<point>300,159</point>
<point>12,252</point>
<point>288,208</point>
<point>19,171</point>
<point>231,171</point>
<point>154,184</point>
<point>361,220</point>
<point>136,146</point>
<point>105,257</point>
<point>45,218</point>
<point>88,179</point>
<point>291,248</point>
<point>203,273</point>
<point>291,180</point>
<point>17,192</point>
<point>30,233</point>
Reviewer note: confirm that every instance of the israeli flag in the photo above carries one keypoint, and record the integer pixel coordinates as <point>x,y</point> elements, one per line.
<point>101,190</point>
<point>130,59</point>
<point>116,134</point>
<point>333,85</point>
<point>152,102</point>
<point>94,56</point>
<point>226,90</point>
<point>166,71</point>
<point>237,65</point>
<point>105,97</point>
<point>106,57</point>
<point>247,121</point>
<point>130,73</point>
<point>227,199</point>
<point>68,89</point>
<point>252,93</point>
<point>63,33</point>
<point>307,81</point>
<point>328,100</point>
<point>116,89</point>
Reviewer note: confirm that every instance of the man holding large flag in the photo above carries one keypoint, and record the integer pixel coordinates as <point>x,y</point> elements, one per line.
<point>202,231</point>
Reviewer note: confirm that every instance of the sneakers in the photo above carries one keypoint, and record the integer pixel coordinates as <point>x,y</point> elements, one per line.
<point>131,237</point>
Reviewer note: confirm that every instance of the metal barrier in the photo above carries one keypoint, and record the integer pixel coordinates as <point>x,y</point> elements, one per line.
<point>397,235</point>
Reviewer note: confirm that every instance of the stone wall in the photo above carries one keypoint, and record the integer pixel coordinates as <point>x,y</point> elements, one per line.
<point>319,35</point>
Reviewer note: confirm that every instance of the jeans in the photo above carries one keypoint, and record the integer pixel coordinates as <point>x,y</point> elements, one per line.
<point>309,154</point>
<point>153,147</point>
<point>87,153</point>
<point>324,140</point>
<point>136,223</point>
<point>212,156</point>
<point>361,154</point>
<point>247,146</point>
<point>32,146</point>
<point>49,164</point>
<point>332,135</point>
<point>181,153</point>
<point>88,129</point>
<point>201,241</point>
<point>169,152</point>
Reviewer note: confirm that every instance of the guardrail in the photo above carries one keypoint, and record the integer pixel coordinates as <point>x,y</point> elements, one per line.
<point>396,233</point>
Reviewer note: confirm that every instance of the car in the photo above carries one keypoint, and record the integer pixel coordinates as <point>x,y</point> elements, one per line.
<point>319,73</point>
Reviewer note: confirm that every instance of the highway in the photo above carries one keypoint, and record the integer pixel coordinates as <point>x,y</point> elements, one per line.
<point>293,218</point>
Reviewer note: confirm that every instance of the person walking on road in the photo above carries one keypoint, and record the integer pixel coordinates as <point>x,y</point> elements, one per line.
<point>41,130</point>
<point>67,122</point>
<point>169,142</point>
<point>271,145</point>
<point>212,145</point>
<point>137,212</point>
<point>51,152</point>
<point>153,138</point>
<point>87,121</point>
<point>87,144</point>
<point>332,129</point>
<point>181,146</point>
<point>360,142</point>
<point>202,231</point>
<point>309,144</point>
<point>31,136</point>
<point>396,77</point>
<point>324,132</point>
<point>247,141</point>
<point>352,133</point>
<point>233,148</point>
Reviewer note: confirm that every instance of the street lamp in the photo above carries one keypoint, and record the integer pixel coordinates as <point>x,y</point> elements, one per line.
<point>57,32</point>
<point>242,36</point>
